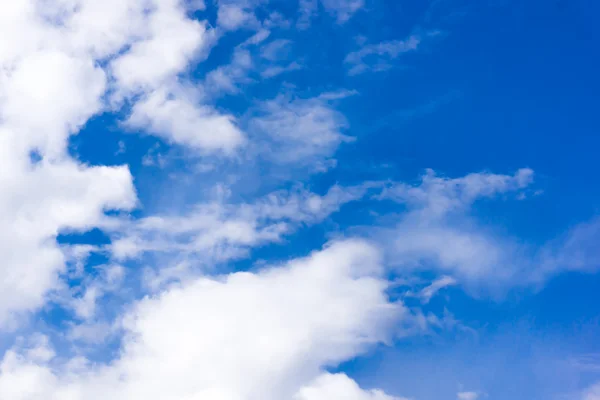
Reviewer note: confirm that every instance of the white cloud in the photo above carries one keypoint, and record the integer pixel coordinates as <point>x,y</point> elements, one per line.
<point>216,232</point>
<point>232,17</point>
<point>39,202</point>
<point>298,131</point>
<point>275,70</point>
<point>375,57</point>
<point>170,34</point>
<point>437,196</point>
<point>467,396</point>
<point>342,9</point>
<point>431,290</point>
<point>86,295</point>
<point>276,50</point>
<point>576,250</point>
<point>339,386</point>
<point>437,232</point>
<point>60,60</point>
<point>265,335</point>
<point>307,9</point>
<point>226,78</point>
<point>180,119</point>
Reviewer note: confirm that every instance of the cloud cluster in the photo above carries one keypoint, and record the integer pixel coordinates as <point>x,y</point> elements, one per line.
<point>437,231</point>
<point>264,335</point>
<point>195,332</point>
<point>216,232</point>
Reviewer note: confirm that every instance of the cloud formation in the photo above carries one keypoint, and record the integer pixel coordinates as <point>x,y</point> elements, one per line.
<point>107,293</point>
<point>263,335</point>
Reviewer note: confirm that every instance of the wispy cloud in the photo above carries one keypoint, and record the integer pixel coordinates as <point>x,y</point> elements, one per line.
<point>341,10</point>
<point>376,57</point>
<point>437,231</point>
<point>298,131</point>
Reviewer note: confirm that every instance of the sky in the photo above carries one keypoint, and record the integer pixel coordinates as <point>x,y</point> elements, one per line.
<point>299,200</point>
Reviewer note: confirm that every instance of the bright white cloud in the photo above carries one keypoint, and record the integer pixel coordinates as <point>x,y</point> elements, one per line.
<point>37,203</point>
<point>59,62</point>
<point>182,120</point>
<point>170,34</point>
<point>264,335</point>
<point>339,386</point>
<point>272,333</point>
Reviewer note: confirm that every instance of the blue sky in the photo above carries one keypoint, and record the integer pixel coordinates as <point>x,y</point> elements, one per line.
<point>299,199</point>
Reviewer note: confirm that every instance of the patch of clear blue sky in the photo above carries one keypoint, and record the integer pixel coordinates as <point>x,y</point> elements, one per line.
<point>506,84</point>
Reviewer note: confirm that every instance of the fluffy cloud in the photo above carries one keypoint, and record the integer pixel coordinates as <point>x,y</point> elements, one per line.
<point>339,386</point>
<point>263,335</point>
<point>67,61</point>
<point>169,41</point>
<point>183,120</point>
<point>38,202</point>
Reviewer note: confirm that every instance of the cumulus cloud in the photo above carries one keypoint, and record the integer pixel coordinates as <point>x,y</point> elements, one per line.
<point>65,62</point>
<point>168,33</point>
<point>330,386</point>
<point>263,335</point>
<point>193,331</point>
<point>183,120</point>
<point>38,202</point>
